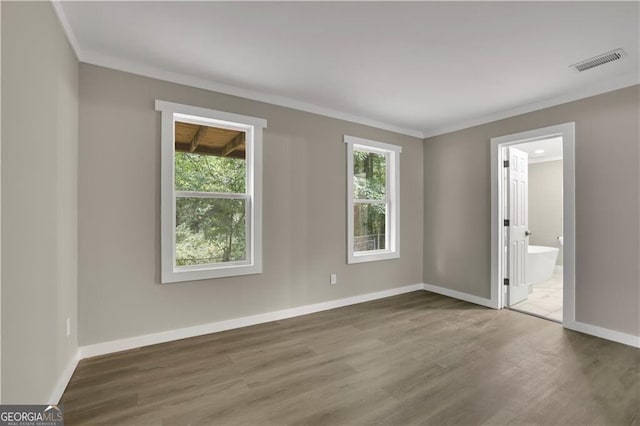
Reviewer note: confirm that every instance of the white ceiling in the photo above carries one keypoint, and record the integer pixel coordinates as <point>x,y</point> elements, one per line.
<point>420,68</point>
<point>552,150</point>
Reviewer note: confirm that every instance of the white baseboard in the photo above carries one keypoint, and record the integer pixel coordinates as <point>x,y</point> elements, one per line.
<point>604,333</point>
<point>459,295</point>
<point>214,327</point>
<point>64,378</point>
<point>198,330</point>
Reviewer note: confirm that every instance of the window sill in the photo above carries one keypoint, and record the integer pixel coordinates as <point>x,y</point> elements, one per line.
<point>194,274</point>
<point>362,257</point>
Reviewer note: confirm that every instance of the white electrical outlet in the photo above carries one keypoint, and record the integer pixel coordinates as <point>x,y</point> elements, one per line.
<point>68,327</point>
<point>334,279</point>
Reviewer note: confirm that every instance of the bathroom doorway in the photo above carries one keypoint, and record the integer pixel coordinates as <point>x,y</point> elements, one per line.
<point>533,211</point>
<point>533,222</point>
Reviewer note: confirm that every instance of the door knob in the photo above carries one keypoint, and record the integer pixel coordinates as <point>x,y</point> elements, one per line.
<point>527,233</point>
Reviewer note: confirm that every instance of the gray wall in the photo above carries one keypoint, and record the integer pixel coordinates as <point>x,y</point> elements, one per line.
<point>457,252</point>
<point>117,213</point>
<point>304,216</point>
<point>545,204</point>
<point>39,201</point>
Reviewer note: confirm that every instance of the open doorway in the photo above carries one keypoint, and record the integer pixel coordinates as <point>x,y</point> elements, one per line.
<point>532,204</point>
<point>533,222</point>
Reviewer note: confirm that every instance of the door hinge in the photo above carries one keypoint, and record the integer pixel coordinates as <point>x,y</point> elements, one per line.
<point>506,281</point>
<point>506,222</point>
<point>505,163</point>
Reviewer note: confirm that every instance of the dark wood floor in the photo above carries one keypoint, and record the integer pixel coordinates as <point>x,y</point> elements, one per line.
<point>418,358</point>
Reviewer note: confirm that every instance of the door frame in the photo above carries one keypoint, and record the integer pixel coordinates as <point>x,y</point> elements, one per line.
<point>567,131</point>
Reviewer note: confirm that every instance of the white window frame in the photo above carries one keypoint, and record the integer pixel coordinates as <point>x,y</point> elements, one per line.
<point>392,216</point>
<point>252,126</point>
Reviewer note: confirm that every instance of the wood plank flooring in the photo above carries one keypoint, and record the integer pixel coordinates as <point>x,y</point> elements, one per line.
<point>417,358</point>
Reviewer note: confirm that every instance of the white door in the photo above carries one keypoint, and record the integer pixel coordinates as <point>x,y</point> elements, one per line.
<point>518,202</point>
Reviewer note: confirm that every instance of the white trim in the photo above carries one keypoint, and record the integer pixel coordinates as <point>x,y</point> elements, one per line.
<point>188,80</point>
<point>482,301</point>
<point>252,126</point>
<point>179,78</point>
<point>372,256</point>
<point>64,378</point>
<point>199,330</point>
<point>604,333</point>
<point>66,27</point>
<point>214,327</point>
<point>137,68</point>
<point>197,194</point>
<point>368,143</point>
<point>197,113</point>
<point>567,131</point>
<point>392,201</point>
<point>593,89</point>
<point>601,332</point>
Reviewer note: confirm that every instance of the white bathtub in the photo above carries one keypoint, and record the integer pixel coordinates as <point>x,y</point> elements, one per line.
<point>541,261</point>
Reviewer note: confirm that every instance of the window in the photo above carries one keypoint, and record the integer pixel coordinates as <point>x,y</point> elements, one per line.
<point>373,200</point>
<point>210,193</point>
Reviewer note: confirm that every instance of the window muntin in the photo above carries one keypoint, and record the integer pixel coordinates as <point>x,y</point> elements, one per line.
<point>373,200</point>
<point>211,193</point>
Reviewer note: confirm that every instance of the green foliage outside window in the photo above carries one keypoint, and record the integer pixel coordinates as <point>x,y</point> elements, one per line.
<point>369,183</point>
<point>210,230</point>
<point>209,173</point>
<point>369,175</point>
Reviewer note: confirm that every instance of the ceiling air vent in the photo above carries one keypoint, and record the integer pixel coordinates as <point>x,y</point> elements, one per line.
<point>596,61</point>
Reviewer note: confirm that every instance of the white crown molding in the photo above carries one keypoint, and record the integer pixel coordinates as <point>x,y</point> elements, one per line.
<point>105,61</point>
<point>66,27</point>
<point>601,87</point>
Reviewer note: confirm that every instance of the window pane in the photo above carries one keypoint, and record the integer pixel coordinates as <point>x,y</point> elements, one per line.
<point>209,159</point>
<point>210,230</point>
<point>209,173</point>
<point>369,227</point>
<point>369,175</point>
